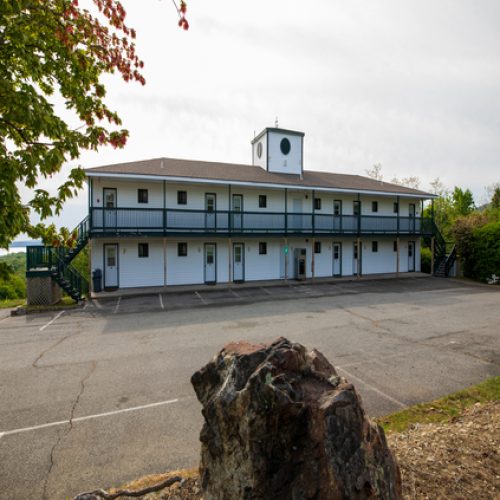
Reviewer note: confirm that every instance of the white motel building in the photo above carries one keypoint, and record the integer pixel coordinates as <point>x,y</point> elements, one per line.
<point>166,222</point>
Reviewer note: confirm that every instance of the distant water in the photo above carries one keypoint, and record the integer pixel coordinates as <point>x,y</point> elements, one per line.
<point>19,246</point>
<point>12,250</point>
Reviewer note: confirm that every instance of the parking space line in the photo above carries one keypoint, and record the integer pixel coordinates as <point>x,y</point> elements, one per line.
<point>96,303</point>
<point>88,417</point>
<point>161,301</point>
<point>201,298</point>
<point>117,305</point>
<point>57,316</point>
<point>266,291</point>
<point>373,388</point>
<point>235,294</point>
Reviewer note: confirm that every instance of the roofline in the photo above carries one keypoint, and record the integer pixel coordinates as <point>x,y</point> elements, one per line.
<point>200,180</point>
<point>279,130</point>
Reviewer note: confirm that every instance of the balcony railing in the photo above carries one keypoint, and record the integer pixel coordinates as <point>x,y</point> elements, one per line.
<point>171,221</point>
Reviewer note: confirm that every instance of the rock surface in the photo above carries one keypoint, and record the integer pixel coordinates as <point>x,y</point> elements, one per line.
<point>280,423</point>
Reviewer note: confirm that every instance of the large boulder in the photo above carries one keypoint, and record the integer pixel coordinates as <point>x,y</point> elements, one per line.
<point>281,424</point>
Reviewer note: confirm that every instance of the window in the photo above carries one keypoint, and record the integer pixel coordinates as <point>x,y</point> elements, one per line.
<point>285,146</point>
<point>262,248</point>
<point>262,201</point>
<point>142,196</point>
<point>396,207</point>
<point>374,246</point>
<point>395,246</point>
<point>317,247</point>
<point>182,249</point>
<point>143,249</point>
<point>374,206</point>
<point>317,203</point>
<point>182,197</point>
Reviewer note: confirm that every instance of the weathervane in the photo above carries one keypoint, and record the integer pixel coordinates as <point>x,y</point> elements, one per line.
<point>276,122</point>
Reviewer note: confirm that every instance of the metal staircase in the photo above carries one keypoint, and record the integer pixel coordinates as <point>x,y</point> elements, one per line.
<point>56,261</point>
<point>443,260</point>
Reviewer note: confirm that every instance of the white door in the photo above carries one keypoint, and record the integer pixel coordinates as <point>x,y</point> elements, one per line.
<point>337,215</point>
<point>237,209</point>
<point>355,257</point>
<point>411,256</point>
<point>238,262</point>
<point>111,265</point>
<point>210,263</point>
<point>210,207</point>
<point>411,212</point>
<point>297,218</point>
<point>109,203</point>
<point>337,256</point>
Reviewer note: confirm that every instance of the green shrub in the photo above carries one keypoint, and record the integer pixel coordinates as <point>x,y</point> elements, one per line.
<point>486,251</point>
<point>425,259</point>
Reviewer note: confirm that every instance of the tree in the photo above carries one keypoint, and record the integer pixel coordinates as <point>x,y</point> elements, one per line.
<point>462,201</point>
<point>411,182</point>
<point>50,50</point>
<point>375,172</point>
<point>495,199</point>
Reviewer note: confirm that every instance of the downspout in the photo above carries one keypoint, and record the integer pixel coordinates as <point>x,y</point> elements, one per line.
<point>286,233</point>
<point>313,232</point>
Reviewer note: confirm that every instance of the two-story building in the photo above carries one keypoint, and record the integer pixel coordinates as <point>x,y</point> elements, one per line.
<point>164,222</point>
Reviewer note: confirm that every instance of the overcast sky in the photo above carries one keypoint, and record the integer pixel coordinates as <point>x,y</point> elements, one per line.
<point>413,85</point>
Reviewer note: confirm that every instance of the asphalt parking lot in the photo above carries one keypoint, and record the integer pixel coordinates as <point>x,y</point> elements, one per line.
<point>240,295</point>
<point>97,396</point>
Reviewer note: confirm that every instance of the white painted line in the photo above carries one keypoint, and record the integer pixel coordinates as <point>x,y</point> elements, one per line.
<point>201,298</point>
<point>96,303</point>
<point>57,316</point>
<point>85,306</point>
<point>88,417</point>
<point>117,305</point>
<point>266,291</point>
<point>161,301</point>
<point>373,388</point>
<point>235,294</point>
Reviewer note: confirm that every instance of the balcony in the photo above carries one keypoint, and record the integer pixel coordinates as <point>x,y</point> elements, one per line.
<point>162,222</point>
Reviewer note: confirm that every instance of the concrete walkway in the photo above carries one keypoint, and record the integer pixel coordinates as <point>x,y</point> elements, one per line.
<point>177,289</point>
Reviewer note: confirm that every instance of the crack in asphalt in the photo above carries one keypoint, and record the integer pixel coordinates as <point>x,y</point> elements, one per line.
<point>390,333</point>
<point>62,435</point>
<point>42,354</point>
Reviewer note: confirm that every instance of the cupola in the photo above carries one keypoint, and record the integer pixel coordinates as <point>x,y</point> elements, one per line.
<point>279,150</point>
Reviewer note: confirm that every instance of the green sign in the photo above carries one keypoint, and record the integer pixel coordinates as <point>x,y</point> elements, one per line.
<point>285,249</point>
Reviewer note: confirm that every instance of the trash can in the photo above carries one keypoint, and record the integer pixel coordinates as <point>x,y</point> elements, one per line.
<point>97,280</point>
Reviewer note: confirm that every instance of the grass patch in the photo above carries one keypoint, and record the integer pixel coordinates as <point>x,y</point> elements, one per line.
<point>10,303</point>
<point>66,302</point>
<point>444,409</point>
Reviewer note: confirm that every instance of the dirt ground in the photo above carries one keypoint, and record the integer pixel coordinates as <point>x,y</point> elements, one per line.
<point>457,460</point>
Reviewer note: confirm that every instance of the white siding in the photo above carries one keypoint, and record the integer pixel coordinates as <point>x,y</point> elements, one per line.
<point>126,193</point>
<point>262,267</point>
<point>323,261</point>
<point>262,161</point>
<point>134,271</point>
<point>382,261</point>
<point>186,270</point>
<point>277,161</point>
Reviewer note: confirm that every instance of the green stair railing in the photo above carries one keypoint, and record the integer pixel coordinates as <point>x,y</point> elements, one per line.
<point>57,261</point>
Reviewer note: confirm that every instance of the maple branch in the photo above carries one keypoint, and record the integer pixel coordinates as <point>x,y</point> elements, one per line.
<point>96,494</point>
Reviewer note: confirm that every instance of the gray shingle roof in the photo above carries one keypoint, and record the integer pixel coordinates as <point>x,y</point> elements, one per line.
<point>192,169</point>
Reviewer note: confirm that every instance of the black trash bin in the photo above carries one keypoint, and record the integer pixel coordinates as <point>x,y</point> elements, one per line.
<point>97,280</point>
